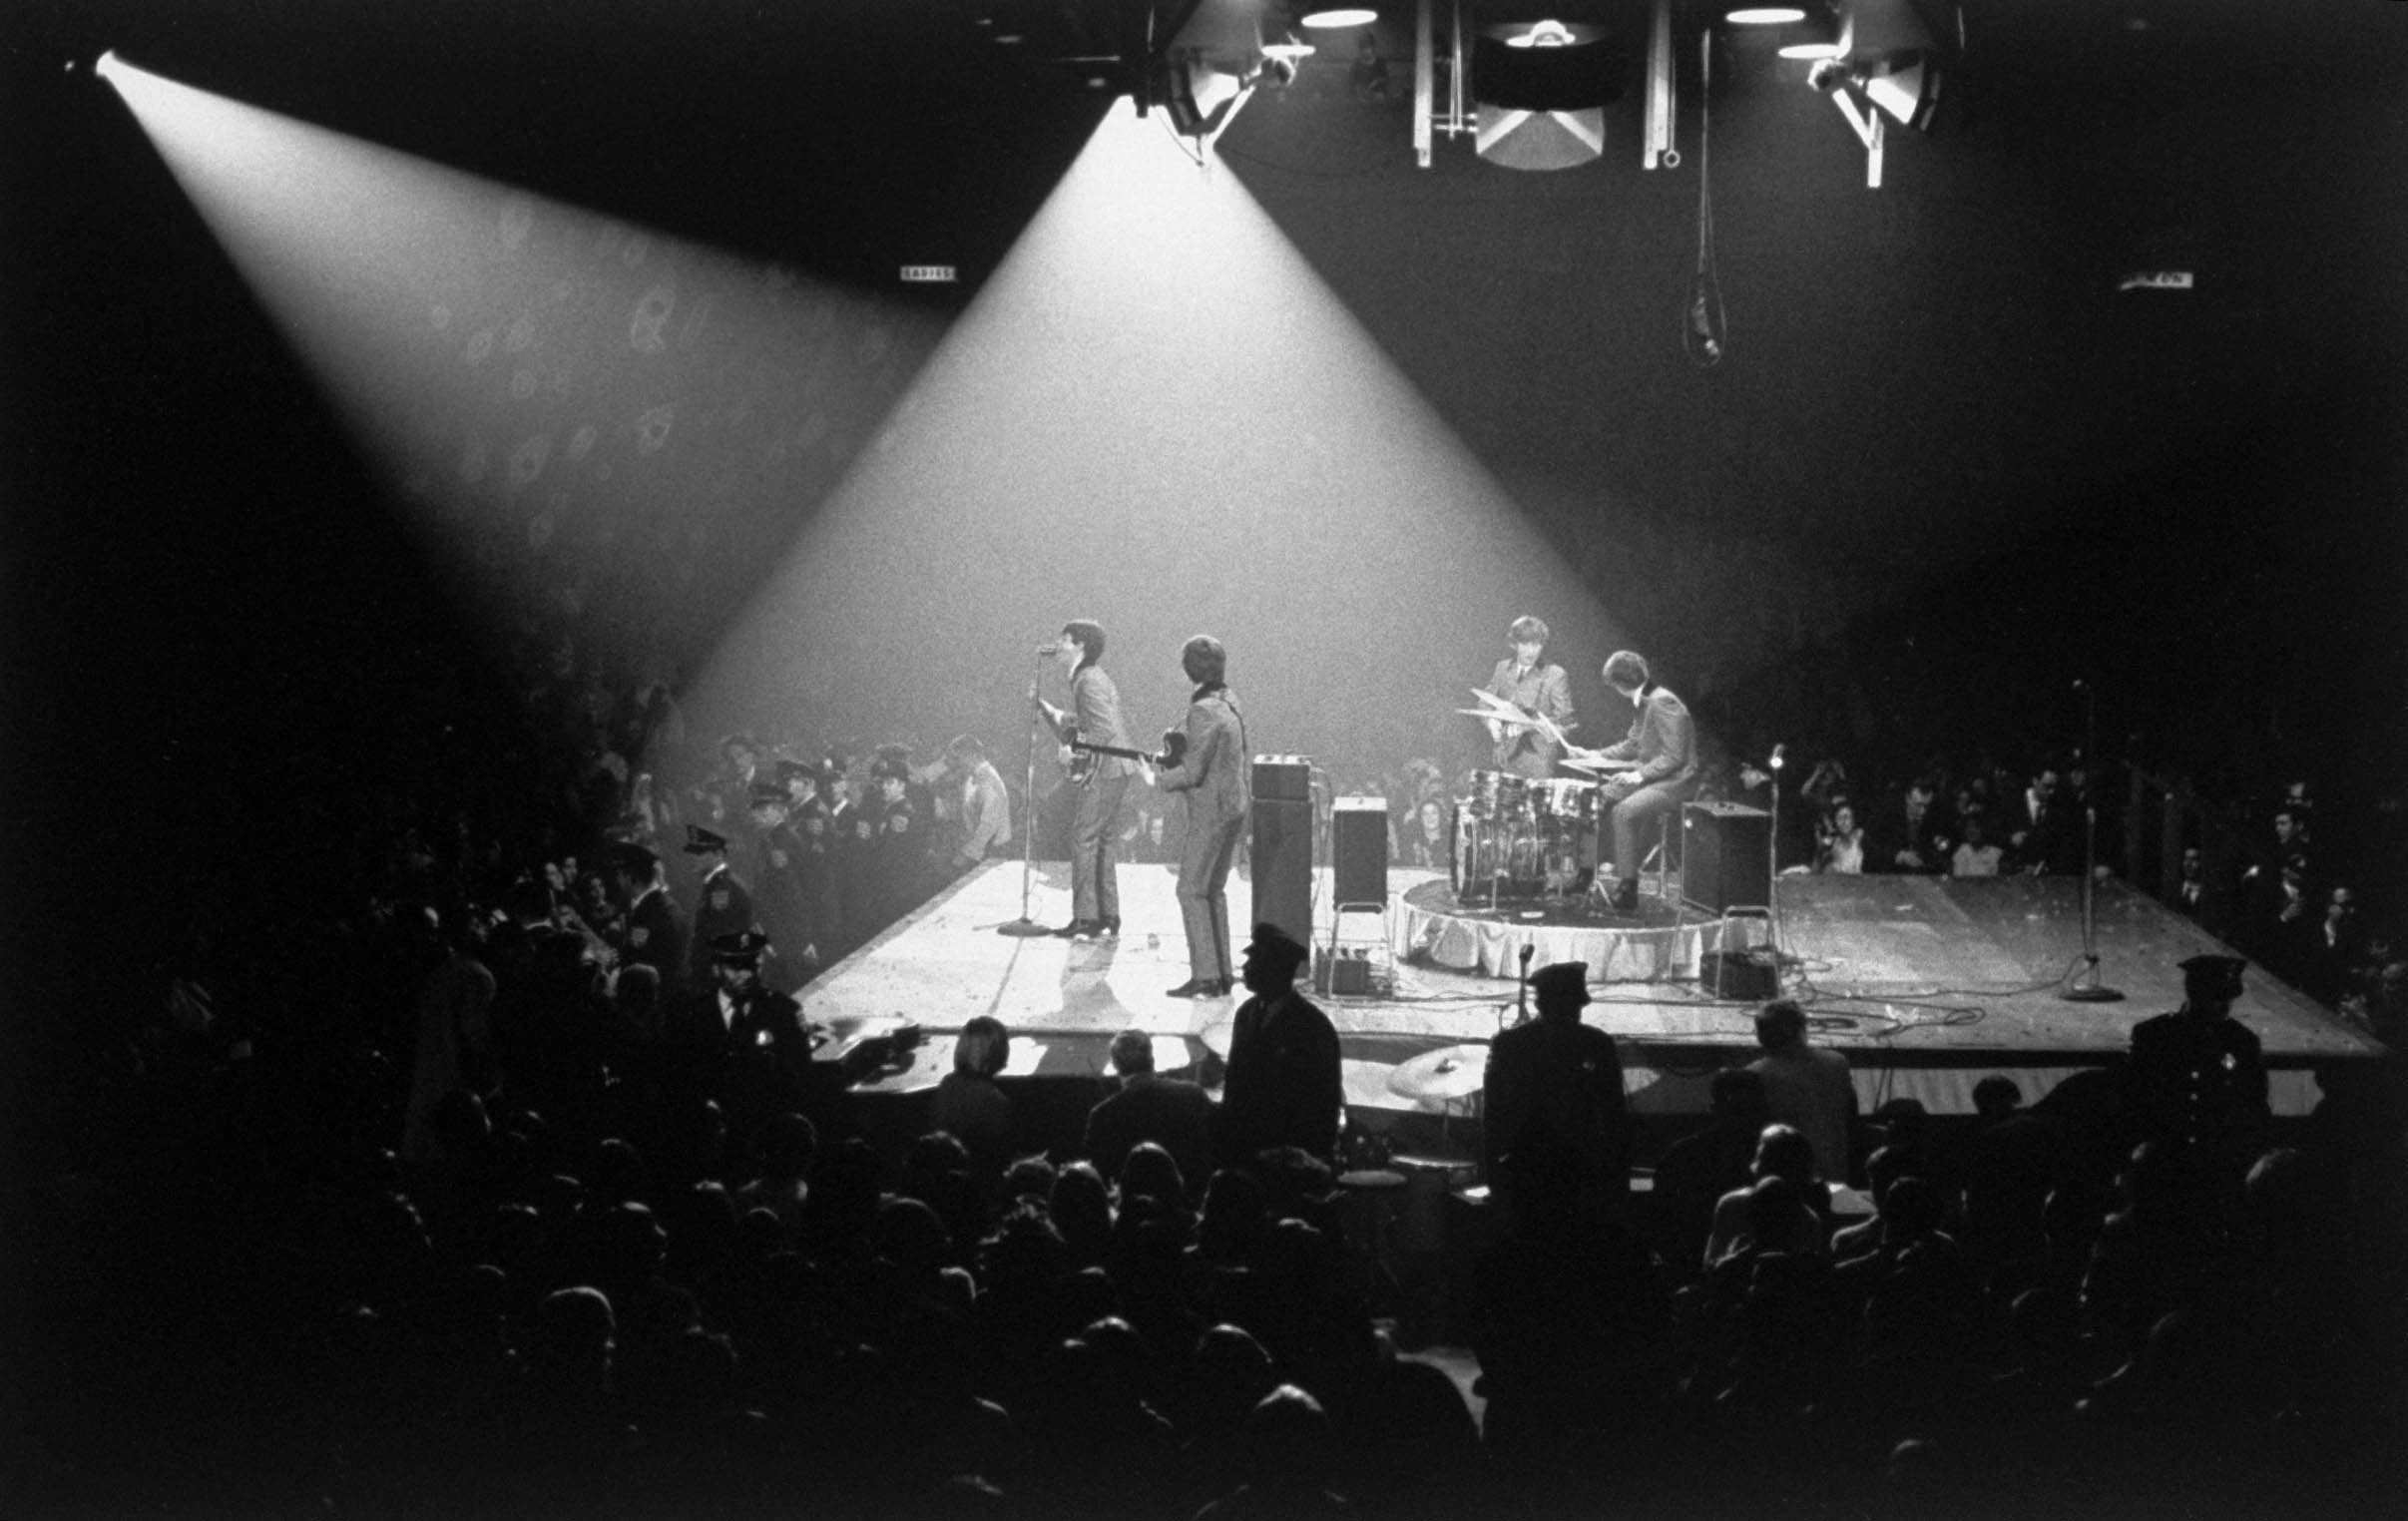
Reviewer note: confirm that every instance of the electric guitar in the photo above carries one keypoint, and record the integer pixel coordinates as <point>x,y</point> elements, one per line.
<point>1083,755</point>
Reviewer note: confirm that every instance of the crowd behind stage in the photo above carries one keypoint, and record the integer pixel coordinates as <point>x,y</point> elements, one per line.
<point>588,1283</point>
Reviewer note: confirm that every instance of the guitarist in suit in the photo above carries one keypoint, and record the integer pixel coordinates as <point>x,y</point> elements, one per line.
<point>1093,718</point>
<point>1539,686</point>
<point>1210,767</point>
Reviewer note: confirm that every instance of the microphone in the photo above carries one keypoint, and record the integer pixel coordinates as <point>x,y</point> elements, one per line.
<point>1778,751</point>
<point>1049,648</point>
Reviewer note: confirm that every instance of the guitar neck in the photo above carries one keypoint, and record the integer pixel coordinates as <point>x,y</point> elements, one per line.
<point>1123,751</point>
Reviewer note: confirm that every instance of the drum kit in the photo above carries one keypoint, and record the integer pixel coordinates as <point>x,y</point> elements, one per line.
<point>1518,838</point>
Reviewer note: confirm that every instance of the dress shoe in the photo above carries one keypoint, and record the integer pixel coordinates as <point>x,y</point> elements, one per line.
<point>1197,987</point>
<point>1077,929</point>
<point>1110,929</point>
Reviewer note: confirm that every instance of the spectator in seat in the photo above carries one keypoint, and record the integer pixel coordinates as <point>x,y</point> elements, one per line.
<point>1910,836</point>
<point>1170,1111</point>
<point>1783,1153</point>
<point>1840,845</point>
<point>1975,856</point>
<point>1287,1459</point>
<point>968,1102</point>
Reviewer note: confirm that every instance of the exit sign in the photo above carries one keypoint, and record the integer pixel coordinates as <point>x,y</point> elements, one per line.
<point>928,275</point>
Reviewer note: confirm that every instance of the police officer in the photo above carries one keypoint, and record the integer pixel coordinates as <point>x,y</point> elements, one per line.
<point>1555,1085</point>
<point>723,907</point>
<point>651,931</point>
<point>2197,1080</point>
<point>898,851</point>
<point>784,906</point>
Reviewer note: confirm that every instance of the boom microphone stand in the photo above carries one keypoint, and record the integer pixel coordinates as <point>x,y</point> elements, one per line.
<point>1024,927</point>
<point>2076,989</point>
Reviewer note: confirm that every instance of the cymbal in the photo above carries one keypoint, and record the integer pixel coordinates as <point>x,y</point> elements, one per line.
<point>1510,720</point>
<point>1450,1072</point>
<point>1366,1083</point>
<point>1216,1035</point>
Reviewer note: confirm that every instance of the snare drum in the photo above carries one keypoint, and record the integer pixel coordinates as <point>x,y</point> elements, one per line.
<point>1565,799</point>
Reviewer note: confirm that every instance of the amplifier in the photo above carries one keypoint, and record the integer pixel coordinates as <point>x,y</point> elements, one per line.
<point>1753,976</point>
<point>1725,856</point>
<point>1283,778</point>
<point>1358,849</point>
<point>1283,866</point>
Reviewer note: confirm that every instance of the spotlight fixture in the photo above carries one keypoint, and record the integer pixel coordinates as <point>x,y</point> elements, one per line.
<point>1334,18</point>
<point>1213,63</point>
<point>1541,90</point>
<point>1763,15</point>
<point>1886,67</point>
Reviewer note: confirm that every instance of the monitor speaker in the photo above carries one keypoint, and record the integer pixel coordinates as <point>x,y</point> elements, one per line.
<point>1727,856</point>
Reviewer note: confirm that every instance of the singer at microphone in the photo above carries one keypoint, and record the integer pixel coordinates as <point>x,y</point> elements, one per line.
<point>1093,718</point>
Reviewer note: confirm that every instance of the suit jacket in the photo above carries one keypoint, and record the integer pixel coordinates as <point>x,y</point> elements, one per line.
<point>1663,741</point>
<point>1888,833</point>
<point>1094,716</point>
<point>653,936</point>
<point>1284,1087</point>
<point>1214,772</point>
<point>1543,690</point>
<point>1560,1079</point>
<point>1169,1112</point>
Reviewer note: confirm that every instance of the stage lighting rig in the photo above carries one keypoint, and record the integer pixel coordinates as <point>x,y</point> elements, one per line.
<point>1885,65</point>
<point>1217,54</point>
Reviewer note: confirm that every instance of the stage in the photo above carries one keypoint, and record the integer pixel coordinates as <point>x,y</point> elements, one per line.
<point>1927,984</point>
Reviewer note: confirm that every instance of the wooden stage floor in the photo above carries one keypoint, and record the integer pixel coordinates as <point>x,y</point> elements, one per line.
<point>1926,984</point>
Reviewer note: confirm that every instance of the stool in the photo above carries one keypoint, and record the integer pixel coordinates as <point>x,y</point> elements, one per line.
<point>1603,882</point>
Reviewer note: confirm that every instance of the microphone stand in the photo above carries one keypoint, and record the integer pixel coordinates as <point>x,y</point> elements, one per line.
<point>1024,927</point>
<point>2076,989</point>
<point>1772,865</point>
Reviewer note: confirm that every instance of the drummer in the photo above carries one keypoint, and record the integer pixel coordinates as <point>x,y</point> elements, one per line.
<point>1539,686</point>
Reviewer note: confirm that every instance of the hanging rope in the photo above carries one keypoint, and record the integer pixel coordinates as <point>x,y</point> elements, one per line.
<point>1702,332</point>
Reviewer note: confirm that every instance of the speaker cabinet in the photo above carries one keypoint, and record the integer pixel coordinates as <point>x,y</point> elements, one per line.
<point>1283,857</point>
<point>1358,849</point>
<point>1727,856</point>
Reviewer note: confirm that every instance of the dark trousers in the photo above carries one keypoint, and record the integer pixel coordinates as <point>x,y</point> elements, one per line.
<point>1095,884</point>
<point>1642,810</point>
<point>1204,858</point>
